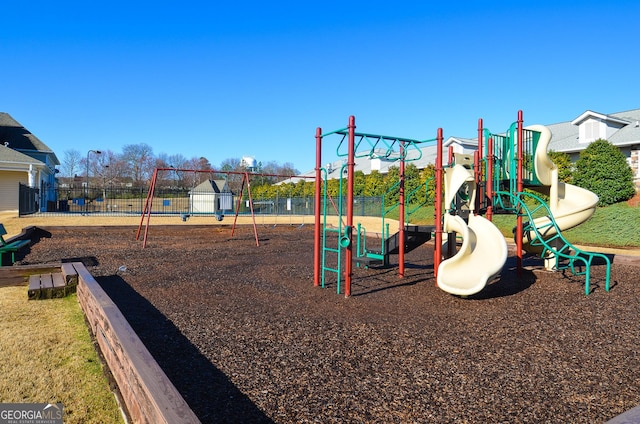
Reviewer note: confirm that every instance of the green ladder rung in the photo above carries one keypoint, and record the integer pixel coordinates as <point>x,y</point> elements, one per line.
<point>374,255</point>
<point>326,268</point>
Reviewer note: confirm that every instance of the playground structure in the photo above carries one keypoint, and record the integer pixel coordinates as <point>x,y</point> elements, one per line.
<point>245,184</point>
<point>491,180</point>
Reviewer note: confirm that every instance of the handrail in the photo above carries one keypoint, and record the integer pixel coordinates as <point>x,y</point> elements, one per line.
<point>415,191</point>
<point>568,251</point>
<point>340,131</point>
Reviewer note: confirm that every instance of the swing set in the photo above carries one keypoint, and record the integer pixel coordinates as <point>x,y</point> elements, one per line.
<point>245,183</point>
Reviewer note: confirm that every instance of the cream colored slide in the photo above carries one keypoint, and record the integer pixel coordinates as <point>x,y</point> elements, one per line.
<point>484,250</point>
<point>570,205</point>
<point>482,255</point>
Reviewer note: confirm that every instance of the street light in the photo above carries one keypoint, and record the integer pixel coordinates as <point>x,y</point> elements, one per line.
<point>86,197</point>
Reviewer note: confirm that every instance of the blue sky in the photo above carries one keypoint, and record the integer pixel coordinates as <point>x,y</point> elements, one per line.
<point>231,79</point>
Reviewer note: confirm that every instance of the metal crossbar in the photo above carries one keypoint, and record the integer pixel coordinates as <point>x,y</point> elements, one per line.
<point>382,146</point>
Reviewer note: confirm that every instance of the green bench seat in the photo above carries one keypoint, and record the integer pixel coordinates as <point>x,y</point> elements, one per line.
<point>10,247</point>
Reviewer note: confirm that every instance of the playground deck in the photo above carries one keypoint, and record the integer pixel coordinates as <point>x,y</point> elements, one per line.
<point>244,336</point>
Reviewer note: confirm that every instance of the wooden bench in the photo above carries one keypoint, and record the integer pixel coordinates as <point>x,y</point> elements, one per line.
<point>10,246</point>
<point>52,285</point>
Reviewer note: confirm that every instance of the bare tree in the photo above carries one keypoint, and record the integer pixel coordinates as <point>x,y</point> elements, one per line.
<point>71,164</point>
<point>110,167</point>
<point>233,165</point>
<point>178,162</point>
<point>140,162</point>
<point>287,168</point>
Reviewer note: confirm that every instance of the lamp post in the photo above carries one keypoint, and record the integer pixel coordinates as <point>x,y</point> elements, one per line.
<point>86,196</point>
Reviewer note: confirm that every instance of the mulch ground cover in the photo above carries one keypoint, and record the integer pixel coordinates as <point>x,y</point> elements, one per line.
<point>246,337</point>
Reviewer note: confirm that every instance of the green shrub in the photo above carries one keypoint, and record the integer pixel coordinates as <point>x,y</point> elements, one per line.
<point>563,162</point>
<point>603,169</point>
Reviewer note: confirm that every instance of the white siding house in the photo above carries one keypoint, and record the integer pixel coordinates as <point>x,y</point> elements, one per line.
<point>622,129</point>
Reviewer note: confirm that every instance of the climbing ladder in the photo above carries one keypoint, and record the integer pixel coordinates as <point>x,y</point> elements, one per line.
<point>334,250</point>
<point>381,146</point>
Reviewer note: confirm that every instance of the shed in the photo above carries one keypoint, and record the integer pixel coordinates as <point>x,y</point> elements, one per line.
<point>211,197</point>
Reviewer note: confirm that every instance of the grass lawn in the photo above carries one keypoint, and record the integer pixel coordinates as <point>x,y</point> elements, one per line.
<point>47,356</point>
<point>614,226</point>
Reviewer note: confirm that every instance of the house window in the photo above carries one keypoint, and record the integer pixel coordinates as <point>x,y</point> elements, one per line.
<point>591,130</point>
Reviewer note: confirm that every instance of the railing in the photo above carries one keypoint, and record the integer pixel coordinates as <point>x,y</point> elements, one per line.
<point>131,201</point>
<point>543,232</point>
<point>505,153</point>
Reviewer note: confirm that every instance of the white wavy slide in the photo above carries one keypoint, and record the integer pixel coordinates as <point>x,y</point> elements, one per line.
<point>570,205</point>
<point>484,250</point>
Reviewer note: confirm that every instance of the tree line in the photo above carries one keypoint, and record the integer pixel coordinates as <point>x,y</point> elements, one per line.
<point>601,168</point>
<point>135,165</point>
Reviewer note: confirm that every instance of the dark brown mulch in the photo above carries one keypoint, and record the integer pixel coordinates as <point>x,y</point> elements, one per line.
<point>245,337</point>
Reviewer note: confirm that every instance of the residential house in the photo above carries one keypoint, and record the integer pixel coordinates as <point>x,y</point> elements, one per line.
<point>24,159</point>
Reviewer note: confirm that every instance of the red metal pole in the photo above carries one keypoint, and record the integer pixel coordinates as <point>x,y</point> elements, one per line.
<point>490,179</point>
<point>146,202</point>
<point>253,216</point>
<point>437,251</point>
<point>317,244</point>
<point>235,219</point>
<point>477,160</point>
<point>152,190</point>
<point>401,232</point>
<point>520,188</point>
<point>348,267</point>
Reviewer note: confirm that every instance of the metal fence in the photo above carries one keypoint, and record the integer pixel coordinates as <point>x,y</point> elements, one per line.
<point>131,201</point>
<point>27,199</point>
